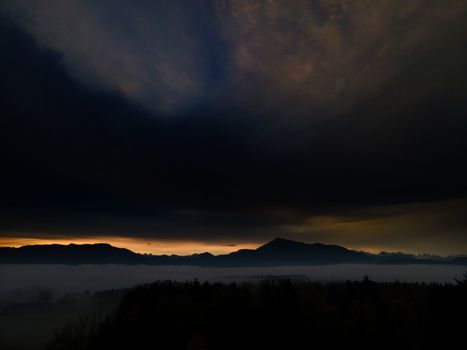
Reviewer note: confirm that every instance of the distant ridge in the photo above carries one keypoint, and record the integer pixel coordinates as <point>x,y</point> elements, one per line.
<point>278,252</point>
<point>73,254</point>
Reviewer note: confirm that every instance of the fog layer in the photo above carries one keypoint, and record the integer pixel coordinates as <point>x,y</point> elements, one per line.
<point>26,281</point>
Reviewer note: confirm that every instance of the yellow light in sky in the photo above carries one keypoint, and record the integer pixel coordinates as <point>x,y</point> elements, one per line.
<point>137,245</point>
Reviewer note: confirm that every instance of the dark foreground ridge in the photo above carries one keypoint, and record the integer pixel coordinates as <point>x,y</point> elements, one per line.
<point>283,314</point>
<point>278,252</point>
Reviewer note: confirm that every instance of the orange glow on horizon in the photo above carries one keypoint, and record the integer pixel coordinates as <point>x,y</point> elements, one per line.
<point>161,247</point>
<point>137,245</point>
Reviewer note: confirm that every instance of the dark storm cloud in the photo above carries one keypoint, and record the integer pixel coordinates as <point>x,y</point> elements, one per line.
<point>232,119</point>
<point>155,52</point>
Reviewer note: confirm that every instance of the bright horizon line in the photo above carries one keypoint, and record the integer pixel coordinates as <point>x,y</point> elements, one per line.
<point>168,247</point>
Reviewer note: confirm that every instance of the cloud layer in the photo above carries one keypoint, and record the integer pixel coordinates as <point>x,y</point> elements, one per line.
<point>235,120</point>
<point>169,55</point>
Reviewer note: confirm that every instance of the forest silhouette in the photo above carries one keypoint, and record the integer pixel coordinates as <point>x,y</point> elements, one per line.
<point>278,314</point>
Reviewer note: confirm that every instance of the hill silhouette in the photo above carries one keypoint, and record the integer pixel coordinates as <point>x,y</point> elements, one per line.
<point>278,252</point>
<point>100,253</point>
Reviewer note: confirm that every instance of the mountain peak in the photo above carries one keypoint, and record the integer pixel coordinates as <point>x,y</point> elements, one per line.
<point>280,240</point>
<point>278,252</point>
<point>280,244</point>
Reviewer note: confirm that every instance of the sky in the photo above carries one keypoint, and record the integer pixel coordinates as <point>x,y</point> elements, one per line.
<point>182,126</point>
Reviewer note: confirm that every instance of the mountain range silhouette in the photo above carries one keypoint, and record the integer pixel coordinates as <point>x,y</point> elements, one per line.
<point>278,252</point>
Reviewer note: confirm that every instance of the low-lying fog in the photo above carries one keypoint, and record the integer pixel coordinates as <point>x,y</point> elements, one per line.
<point>22,282</point>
